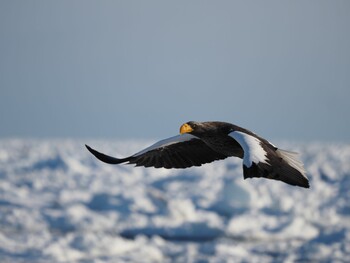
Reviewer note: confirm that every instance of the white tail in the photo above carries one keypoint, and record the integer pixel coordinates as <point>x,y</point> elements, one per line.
<point>292,158</point>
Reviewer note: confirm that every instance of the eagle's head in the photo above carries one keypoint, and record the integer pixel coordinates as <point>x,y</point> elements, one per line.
<point>205,128</point>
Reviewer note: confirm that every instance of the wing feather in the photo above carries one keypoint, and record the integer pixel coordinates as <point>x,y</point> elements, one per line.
<point>180,151</point>
<point>262,159</point>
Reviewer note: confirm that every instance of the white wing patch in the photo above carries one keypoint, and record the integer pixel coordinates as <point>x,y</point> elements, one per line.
<point>253,151</point>
<point>166,142</point>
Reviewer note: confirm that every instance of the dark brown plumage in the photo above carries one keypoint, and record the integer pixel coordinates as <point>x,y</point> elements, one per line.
<point>205,142</point>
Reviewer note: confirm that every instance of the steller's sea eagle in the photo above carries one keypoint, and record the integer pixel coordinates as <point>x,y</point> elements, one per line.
<point>205,142</point>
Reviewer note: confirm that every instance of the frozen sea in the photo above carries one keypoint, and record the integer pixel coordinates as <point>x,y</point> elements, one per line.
<point>59,204</point>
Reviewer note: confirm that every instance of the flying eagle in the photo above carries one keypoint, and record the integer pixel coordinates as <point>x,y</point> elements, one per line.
<point>205,142</point>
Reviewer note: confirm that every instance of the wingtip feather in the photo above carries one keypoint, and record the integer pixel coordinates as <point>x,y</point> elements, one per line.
<point>106,158</point>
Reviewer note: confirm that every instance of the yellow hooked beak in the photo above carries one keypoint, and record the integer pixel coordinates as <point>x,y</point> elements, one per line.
<point>185,128</point>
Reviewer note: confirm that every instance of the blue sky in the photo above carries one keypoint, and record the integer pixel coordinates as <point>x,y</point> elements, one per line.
<point>139,69</point>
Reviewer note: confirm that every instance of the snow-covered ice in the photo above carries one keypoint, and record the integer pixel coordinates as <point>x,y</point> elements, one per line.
<point>59,204</point>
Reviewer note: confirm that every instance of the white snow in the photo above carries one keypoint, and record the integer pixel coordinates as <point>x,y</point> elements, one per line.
<point>60,204</point>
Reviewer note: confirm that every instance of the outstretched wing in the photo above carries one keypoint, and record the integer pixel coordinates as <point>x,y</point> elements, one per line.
<point>180,151</point>
<point>261,159</point>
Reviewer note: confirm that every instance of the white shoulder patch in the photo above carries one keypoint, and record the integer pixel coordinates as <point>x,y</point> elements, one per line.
<point>253,151</point>
<point>166,142</point>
